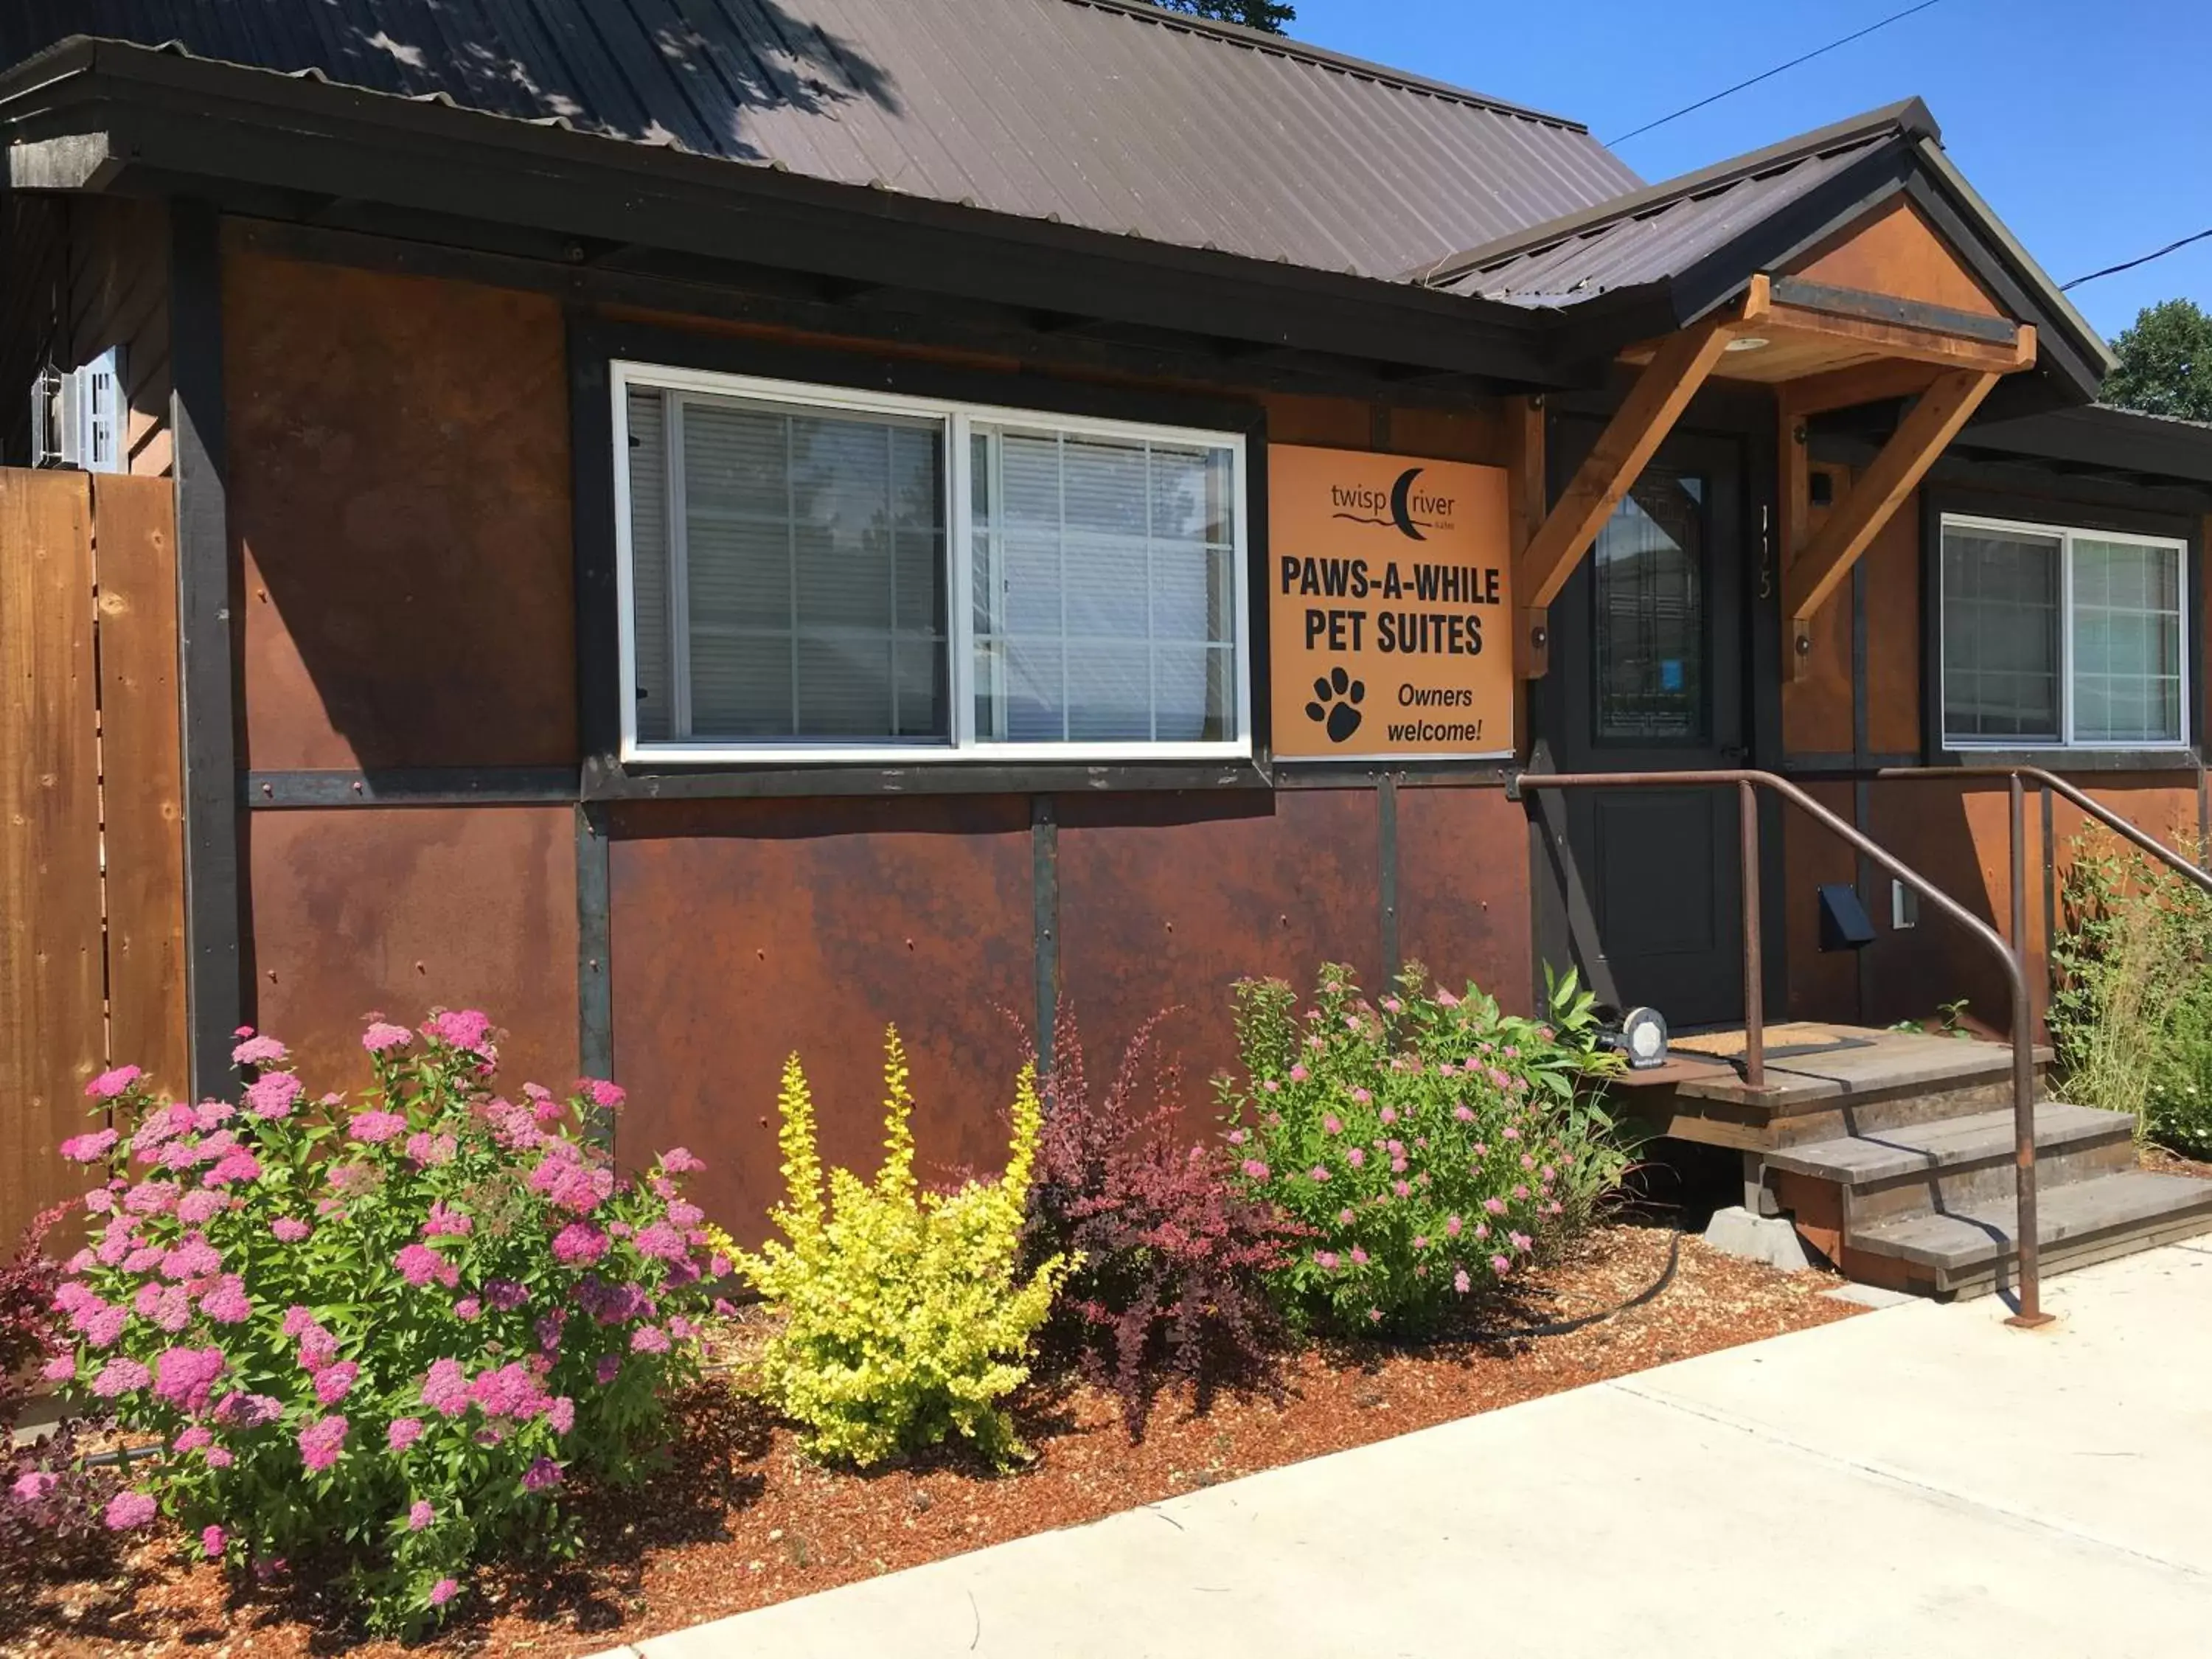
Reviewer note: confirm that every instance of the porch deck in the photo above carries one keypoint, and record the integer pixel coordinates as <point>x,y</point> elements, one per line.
<point>1892,1153</point>
<point>1823,1079</point>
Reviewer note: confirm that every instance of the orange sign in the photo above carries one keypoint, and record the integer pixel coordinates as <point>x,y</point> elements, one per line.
<point>1389,595</point>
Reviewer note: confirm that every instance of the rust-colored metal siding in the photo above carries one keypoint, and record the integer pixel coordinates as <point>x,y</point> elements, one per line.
<point>1820,987</point>
<point>1463,899</point>
<point>400,484</point>
<point>1167,899</point>
<point>745,931</point>
<point>397,911</point>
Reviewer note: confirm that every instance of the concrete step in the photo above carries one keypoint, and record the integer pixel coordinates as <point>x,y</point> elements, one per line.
<point>1973,1248</point>
<point>1875,1156</point>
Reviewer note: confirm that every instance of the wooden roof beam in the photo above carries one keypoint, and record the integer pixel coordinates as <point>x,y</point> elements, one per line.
<point>1931,424</point>
<point>1682,364</point>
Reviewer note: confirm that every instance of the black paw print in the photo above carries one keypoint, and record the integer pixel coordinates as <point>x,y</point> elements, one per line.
<point>1336,702</point>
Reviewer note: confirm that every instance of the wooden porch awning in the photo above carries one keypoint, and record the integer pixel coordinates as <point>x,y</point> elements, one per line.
<point>1883,310</point>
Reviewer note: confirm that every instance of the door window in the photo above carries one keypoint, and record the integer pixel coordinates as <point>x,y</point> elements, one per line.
<point>1650,568</point>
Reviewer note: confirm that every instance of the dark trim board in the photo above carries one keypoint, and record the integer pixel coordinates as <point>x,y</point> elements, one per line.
<point>612,782</point>
<point>595,994</point>
<point>1888,308</point>
<point>207,667</point>
<point>426,786</point>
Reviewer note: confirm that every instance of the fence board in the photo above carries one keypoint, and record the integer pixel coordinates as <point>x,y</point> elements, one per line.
<point>52,1023</point>
<point>134,544</point>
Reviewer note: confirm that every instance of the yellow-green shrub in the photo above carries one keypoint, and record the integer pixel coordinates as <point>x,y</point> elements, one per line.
<point>903,1317</point>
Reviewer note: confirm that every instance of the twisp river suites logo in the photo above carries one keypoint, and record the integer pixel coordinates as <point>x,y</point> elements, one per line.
<point>1388,599</point>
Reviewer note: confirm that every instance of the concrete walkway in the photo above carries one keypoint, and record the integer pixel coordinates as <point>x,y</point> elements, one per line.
<point>1917,1480</point>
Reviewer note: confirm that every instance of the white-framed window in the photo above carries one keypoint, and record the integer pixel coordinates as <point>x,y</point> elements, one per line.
<point>809,574</point>
<point>2056,637</point>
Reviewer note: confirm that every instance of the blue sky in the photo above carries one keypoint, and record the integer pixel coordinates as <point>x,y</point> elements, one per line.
<point>2086,126</point>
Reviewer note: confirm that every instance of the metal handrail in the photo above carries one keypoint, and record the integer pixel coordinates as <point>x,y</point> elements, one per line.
<point>1748,783</point>
<point>2080,797</point>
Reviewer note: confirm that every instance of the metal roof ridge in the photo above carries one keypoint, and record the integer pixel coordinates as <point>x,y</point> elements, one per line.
<point>1908,118</point>
<point>1145,12</point>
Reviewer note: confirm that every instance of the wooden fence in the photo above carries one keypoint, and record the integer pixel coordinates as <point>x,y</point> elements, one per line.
<point>91,821</point>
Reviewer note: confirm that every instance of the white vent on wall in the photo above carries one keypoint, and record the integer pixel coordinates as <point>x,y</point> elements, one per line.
<point>78,418</point>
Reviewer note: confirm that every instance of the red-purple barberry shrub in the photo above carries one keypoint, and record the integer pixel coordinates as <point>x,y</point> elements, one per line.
<point>384,1333</point>
<point>50,1505</point>
<point>1170,1283</point>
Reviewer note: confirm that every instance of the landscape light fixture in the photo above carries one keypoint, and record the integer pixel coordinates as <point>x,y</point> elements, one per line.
<point>1641,1035</point>
<point>1748,342</point>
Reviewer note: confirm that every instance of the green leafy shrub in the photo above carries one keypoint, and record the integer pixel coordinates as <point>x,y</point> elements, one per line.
<point>903,1318</point>
<point>1425,1144</point>
<point>383,1336</point>
<point>2132,1018</point>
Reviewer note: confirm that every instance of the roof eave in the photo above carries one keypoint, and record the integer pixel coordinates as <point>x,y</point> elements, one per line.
<point>140,98</point>
<point>1909,118</point>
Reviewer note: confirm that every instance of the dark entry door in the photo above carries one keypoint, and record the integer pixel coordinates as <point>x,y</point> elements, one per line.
<point>1647,674</point>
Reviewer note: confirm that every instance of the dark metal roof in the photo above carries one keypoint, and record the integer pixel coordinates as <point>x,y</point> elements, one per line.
<point>1107,114</point>
<point>1648,235</point>
<point>2126,441</point>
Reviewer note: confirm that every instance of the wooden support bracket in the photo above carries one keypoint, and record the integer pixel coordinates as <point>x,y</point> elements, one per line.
<point>1932,422</point>
<point>1678,367</point>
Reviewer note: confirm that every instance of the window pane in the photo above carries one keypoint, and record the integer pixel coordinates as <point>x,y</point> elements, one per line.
<point>2127,642</point>
<point>815,574</point>
<point>1651,562</point>
<point>1105,583</point>
<point>2001,634</point>
<point>648,563</point>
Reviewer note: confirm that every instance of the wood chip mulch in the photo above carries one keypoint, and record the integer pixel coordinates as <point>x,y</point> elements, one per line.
<point>2165,1161</point>
<point>740,1520</point>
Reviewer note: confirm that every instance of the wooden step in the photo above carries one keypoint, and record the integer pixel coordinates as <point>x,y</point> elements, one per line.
<point>1876,1155</point>
<point>1973,1248</point>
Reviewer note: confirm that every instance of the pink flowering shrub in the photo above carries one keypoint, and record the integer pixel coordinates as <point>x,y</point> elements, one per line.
<point>393,1329</point>
<point>1424,1145</point>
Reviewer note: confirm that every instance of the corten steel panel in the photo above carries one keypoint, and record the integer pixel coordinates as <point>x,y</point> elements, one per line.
<point>399,910</point>
<point>1475,434</point>
<point>1956,836</point>
<point>745,931</point>
<point>1116,117</point>
<point>1327,423</point>
<point>51,1033</point>
<point>1170,900</point>
<point>1894,716</point>
<point>1893,250</point>
<point>1960,838</point>
<point>1821,985</point>
<point>1463,899</point>
<point>142,763</point>
<point>400,487</point>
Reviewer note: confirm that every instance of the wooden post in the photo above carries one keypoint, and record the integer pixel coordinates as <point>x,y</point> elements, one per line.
<point>1526,496</point>
<point>1928,425</point>
<point>1661,393</point>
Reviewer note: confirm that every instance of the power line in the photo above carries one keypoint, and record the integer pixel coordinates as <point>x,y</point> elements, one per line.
<point>2130,265</point>
<point>1769,75</point>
